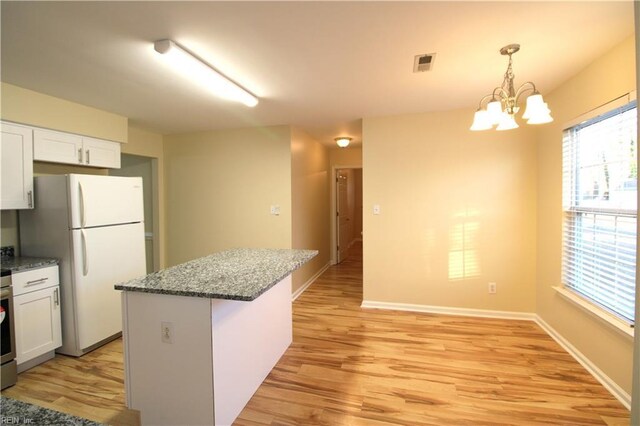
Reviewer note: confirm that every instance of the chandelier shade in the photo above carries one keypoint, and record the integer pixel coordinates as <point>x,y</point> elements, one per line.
<point>499,108</point>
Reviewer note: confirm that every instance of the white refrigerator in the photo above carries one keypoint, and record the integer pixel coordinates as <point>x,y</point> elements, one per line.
<point>95,226</point>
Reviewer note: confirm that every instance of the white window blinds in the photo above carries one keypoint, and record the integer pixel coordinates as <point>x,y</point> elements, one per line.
<point>600,177</point>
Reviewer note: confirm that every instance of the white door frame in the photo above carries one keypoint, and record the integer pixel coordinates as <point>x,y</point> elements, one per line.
<point>334,209</point>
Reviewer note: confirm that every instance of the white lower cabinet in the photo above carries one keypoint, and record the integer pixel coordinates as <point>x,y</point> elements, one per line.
<point>37,316</point>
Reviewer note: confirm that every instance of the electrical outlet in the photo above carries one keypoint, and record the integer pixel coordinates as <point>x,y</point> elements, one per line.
<point>275,210</point>
<point>376,209</point>
<point>166,332</point>
<point>492,288</point>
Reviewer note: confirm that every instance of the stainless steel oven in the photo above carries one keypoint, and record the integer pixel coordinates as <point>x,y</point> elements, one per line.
<point>8,368</point>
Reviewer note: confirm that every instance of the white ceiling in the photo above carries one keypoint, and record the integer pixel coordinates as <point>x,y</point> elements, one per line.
<point>321,66</point>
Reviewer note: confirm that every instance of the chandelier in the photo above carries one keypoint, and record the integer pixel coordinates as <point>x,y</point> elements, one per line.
<point>501,106</point>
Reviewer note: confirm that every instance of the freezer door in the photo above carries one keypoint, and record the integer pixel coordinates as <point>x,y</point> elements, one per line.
<point>103,257</point>
<point>104,200</point>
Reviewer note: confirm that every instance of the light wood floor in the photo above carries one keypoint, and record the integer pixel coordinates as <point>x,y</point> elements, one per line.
<point>349,366</point>
<point>91,387</point>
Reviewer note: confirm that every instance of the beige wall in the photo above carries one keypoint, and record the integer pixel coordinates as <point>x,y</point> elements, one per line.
<point>457,212</point>
<point>219,187</point>
<point>310,178</point>
<point>26,106</point>
<point>611,76</point>
<point>351,157</point>
<point>149,144</point>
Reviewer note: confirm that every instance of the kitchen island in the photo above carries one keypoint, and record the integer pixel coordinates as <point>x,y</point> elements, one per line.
<point>200,337</point>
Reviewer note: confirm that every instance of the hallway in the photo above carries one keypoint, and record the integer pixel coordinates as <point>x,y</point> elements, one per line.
<point>362,367</point>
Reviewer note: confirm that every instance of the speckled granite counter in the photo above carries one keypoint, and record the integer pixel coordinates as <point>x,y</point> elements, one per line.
<point>20,263</point>
<point>238,274</point>
<point>19,413</point>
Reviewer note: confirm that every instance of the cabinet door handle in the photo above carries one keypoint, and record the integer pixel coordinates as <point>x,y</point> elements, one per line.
<point>80,155</point>
<point>34,282</point>
<point>30,199</point>
<point>56,297</point>
<point>88,160</point>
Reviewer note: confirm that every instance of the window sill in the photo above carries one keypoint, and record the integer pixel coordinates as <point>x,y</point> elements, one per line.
<point>609,319</point>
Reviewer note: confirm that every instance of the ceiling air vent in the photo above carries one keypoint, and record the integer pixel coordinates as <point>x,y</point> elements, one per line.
<point>424,62</point>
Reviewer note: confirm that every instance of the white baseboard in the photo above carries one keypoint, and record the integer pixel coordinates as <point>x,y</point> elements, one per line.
<point>606,381</point>
<point>610,385</point>
<point>444,310</point>
<point>310,281</point>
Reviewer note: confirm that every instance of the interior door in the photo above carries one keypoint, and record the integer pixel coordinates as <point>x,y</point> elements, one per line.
<point>105,200</point>
<point>104,257</point>
<point>342,208</point>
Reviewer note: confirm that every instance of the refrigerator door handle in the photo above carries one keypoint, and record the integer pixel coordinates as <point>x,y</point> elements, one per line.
<point>85,266</point>
<point>83,218</point>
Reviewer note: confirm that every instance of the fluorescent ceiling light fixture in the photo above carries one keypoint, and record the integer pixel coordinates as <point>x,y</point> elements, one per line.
<point>202,73</point>
<point>343,142</point>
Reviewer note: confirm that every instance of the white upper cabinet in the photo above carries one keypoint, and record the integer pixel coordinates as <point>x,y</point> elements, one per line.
<point>16,167</point>
<point>101,153</point>
<point>57,147</point>
<point>60,147</point>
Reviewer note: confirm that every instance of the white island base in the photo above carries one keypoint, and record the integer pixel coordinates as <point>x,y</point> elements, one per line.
<point>219,352</point>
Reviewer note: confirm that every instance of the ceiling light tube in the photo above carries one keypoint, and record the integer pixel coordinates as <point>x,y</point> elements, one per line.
<point>202,73</point>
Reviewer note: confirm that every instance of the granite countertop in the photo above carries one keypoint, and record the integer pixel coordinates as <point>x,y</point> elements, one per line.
<point>238,274</point>
<point>20,413</point>
<point>23,263</point>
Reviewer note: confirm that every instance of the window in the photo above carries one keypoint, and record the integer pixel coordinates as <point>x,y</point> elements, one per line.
<point>600,176</point>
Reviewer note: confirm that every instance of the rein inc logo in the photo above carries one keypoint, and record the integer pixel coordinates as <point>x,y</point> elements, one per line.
<point>16,420</point>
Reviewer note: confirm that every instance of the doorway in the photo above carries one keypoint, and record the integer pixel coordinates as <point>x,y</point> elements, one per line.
<point>144,167</point>
<point>348,211</point>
